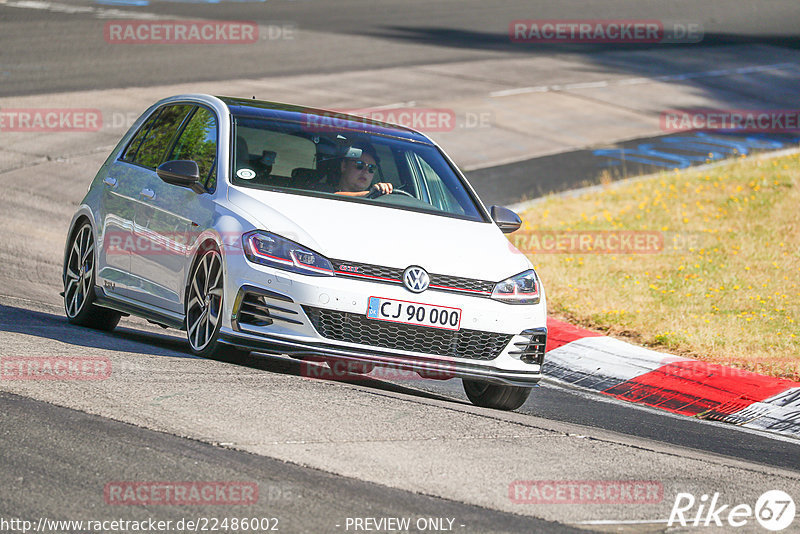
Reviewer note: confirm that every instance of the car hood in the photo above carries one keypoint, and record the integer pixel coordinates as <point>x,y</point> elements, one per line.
<point>380,235</point>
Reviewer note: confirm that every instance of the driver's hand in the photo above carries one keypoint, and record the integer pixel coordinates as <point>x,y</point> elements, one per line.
<point>382,188</point>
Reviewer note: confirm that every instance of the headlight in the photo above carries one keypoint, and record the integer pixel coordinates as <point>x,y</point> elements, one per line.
<point>520,289</point>
<point>273,250</point>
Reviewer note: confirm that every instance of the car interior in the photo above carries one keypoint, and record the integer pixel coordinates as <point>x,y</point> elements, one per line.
<point>275,168</point>
<point>285,157</point>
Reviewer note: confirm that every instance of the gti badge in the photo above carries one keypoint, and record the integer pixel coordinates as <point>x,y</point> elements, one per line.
<point>416,279</point>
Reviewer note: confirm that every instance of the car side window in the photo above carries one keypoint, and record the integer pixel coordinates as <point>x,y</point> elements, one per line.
<point>136,142</point>
<point>198,142</point>
<point>434,190</point>
<point>159,137</point>
<point>388,167</point>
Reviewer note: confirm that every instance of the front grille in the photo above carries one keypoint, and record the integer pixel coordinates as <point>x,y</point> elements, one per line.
<point>351,268</point>
<point>532,350</point>
<point>356,328</point>
<point>392,275</point>
<point>464,284</point>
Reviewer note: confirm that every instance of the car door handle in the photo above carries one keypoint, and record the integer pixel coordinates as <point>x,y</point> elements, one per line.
<point>149,194</point>
<point>110,181</point>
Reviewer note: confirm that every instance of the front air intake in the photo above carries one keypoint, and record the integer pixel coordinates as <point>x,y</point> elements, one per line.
<point>531,350</point>
<point>259,307</point>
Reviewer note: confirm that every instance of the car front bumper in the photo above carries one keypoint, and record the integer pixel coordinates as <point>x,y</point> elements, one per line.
<point>285,301</point>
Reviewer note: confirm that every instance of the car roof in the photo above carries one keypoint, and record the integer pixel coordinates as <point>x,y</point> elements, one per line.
<point>334,120</point>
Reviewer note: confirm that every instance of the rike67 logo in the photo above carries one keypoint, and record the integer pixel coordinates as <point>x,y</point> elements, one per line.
<point>774,510</point>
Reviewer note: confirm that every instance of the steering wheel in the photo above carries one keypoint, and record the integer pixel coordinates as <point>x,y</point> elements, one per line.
<point>374,193</point>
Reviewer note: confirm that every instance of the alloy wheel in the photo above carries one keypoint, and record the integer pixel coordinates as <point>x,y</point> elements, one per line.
<point>205,301</point>
<point>79,273</point>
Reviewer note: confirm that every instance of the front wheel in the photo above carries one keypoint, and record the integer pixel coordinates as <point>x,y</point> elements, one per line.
<point>79,296</point>
<point>204,308</point>
<point>495,396</point>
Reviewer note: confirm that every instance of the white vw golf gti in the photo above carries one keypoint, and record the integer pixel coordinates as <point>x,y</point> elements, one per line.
<point>265,227</point>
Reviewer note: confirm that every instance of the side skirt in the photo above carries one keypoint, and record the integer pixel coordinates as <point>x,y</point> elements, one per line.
<point>124,305</point>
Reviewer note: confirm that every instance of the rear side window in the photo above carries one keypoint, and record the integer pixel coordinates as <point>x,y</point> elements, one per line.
<point>158,138</point>
<point>133,147</point>
<point>198,142</point>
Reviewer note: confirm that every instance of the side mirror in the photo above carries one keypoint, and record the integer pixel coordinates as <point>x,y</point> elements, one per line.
<point>181,172</point>
<point>507,220</point>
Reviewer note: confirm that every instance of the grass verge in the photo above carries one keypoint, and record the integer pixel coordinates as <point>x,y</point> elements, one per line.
<point>701,263</point>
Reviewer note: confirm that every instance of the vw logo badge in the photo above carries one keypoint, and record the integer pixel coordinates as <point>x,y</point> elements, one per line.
<point>416,279</point>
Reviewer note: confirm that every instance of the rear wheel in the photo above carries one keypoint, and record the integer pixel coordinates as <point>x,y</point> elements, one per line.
<point>495,396</point>
<point>204,308</point>
<point>79,296</point>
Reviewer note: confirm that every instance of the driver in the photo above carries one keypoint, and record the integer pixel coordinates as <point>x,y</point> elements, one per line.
<point>357,173</point>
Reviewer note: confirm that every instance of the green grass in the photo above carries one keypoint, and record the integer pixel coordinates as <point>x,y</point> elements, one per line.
<point>724,288</point>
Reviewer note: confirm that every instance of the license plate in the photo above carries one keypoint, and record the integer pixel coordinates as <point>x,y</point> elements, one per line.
<point>416,313</point>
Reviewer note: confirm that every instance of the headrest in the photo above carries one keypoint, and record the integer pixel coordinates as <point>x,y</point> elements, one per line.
<point>306,176</point>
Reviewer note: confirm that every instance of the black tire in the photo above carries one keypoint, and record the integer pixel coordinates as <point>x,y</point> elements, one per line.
<point>495,396</point>
<point>204,305</point>
<point>79,276</point>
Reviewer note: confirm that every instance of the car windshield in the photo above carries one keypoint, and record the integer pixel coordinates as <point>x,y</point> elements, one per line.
<point>319,161</point>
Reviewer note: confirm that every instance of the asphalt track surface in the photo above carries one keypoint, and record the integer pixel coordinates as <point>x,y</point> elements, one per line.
<point>302,500</point>
<point>58,460</point>
<point>45,51</point>
<point>169,416</point>
<point>565,171</point>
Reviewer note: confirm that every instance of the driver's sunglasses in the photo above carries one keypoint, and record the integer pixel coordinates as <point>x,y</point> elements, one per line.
<point>370,166</point>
